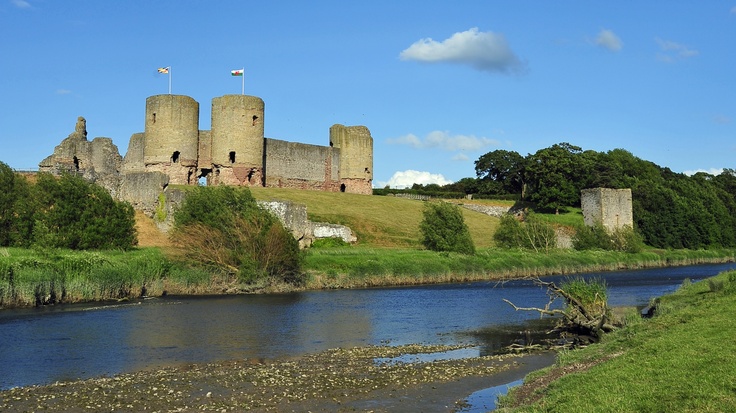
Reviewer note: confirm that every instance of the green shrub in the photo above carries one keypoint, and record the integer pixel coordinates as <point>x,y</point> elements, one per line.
<point>533,233</point>
<point>591,293</point>
<point>332,242</point>
<point>443,229</point>
<point>598,237</point>
<point>76,214</point>
<point>224,228</point>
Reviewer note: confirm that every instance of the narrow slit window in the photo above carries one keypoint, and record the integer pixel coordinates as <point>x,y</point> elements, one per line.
<point>232,157</point>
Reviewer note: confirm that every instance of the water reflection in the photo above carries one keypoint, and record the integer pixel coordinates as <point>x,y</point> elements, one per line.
<point>42,345</point>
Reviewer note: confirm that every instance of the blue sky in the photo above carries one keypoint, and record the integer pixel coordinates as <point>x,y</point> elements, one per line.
<point>438,83</point>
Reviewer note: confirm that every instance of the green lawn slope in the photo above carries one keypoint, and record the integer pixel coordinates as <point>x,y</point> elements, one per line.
<point>682,360</point>
<point>378,221</point>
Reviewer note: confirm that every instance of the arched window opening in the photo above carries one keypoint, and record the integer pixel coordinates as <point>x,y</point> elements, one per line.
<point>232,157</point>
<point>255,120</point>
<point>153,120</point>
<point>342,187</point>
<point>76,164</point>
<point>175,157</point>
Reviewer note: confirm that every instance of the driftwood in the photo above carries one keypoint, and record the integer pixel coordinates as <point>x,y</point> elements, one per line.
<point>576,317</point>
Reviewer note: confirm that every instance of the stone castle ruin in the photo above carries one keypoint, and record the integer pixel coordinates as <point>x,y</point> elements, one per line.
<point>610,207</point>
<point>172,150</point>
<point>234,152</point>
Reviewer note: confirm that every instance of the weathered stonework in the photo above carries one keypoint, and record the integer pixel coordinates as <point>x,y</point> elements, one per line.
<point>98,161</point>
<point>172,150</point>
<point>610,207</point>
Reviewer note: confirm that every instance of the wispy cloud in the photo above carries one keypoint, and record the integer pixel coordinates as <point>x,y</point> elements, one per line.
<point>607,39</point>
<point>63,91</point>
<point>21,4</point>
<point>405,179</point>
<point>671,51</point>
<point>445,141</point>
<point>712,171</point>
<point>485,51</point>
<point>733,10</point>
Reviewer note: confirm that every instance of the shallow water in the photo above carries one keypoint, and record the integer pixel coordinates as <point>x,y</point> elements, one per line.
<point>43,345</point>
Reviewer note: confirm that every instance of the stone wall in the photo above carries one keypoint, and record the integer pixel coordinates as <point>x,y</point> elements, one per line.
<point>610,207</point>
<point>294,217</point>
<point>97,161</point>
<point>299,165</point>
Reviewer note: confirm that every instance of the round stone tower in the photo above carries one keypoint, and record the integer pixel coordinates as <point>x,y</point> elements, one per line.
<point>171,137</point>
<point>356,158</point>
<point>237,139</point>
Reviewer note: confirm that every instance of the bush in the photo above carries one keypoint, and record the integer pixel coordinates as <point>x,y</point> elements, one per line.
<point>443,229</point>
<point>332,242</point>
<point>598,237</point>
<point>533,233</point>
<point>76,214</point>
<point>224,228</point>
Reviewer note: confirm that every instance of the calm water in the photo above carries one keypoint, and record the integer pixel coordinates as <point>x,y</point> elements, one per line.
<point>43,345</point>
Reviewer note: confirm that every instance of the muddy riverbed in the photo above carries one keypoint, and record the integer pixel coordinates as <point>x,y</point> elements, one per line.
<point>337,380</point>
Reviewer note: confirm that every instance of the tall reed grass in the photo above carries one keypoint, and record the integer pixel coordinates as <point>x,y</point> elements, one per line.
<point>46,276</point>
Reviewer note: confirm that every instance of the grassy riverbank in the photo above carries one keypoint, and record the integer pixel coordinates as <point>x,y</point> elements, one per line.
<point>37,277</point>
<point>680,360</point>
<point>365,267</point>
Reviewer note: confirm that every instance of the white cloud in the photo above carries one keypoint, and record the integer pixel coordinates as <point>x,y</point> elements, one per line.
<point>484,51</point>
<point>608,40</point>
<point>63,91</point>
<point>405,179</point>
<point>461,157</point>
<point>671,51</point>
<point>22,4</point>
<point>445,141</point>
<point>712,171</point>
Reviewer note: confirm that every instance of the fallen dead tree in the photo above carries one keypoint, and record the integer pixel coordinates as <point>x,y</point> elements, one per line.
<point>585,314</point>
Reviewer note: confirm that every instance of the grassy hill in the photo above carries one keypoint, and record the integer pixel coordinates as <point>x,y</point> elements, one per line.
<point>378,221</point>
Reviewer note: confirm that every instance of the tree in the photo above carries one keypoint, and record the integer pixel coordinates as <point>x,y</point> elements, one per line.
<point>443,229</point>
<point>224,228</point>
<point>7,201</point>
<point>556,175</point>
<point>505,168</point>
<point>585,312</point>
<point>76,214</point>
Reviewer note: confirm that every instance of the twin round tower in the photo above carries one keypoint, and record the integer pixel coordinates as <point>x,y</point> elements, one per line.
<point>236,152</point>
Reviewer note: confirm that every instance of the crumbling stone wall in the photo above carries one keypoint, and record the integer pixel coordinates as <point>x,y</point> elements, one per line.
<point>97,161</point>
<point>610,207</point>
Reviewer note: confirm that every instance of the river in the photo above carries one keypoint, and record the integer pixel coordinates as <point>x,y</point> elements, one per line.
<point>66,342</point>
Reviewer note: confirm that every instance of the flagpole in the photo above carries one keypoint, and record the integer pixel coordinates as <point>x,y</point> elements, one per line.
<point>169,79</point>
<point>242,87</point>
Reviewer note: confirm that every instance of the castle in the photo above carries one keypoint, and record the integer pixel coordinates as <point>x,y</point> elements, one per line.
<point>173,150</point>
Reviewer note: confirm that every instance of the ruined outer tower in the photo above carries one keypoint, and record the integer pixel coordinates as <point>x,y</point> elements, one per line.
<point>172,137</point>
<point>610,207</point>
<point>237,140</point>
<point>356,157</point>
